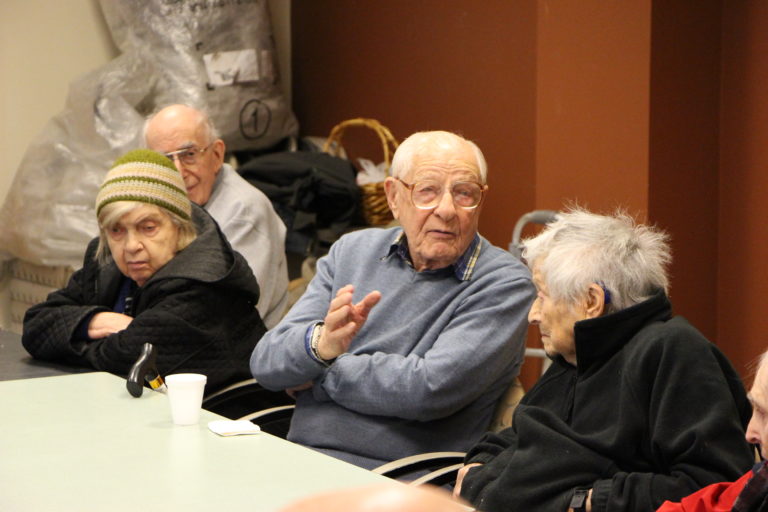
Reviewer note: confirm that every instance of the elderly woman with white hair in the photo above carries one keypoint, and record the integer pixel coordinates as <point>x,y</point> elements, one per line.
<point>160,272</point>
<point>637,407</point>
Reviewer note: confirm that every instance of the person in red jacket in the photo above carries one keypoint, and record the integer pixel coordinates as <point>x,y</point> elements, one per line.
<point>750,492</point>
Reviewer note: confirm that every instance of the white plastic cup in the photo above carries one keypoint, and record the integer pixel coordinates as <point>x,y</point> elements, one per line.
<point>185,392</point>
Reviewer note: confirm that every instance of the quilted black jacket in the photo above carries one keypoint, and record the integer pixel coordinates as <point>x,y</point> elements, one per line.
<point>199,310</point>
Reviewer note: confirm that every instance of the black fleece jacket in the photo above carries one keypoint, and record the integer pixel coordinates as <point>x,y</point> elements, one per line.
<point>198,310</point>
<point>653,411</point>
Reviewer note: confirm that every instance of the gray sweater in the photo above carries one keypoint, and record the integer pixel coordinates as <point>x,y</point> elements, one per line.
<point>427,368</point>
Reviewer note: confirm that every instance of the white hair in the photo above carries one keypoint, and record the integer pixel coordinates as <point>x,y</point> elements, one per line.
<point>580,248</point>
<point>425,142</point>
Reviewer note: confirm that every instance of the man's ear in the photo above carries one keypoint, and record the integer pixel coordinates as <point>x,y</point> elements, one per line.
<point>391,189</point>
<point>218,148</point>
<point>595,305</point>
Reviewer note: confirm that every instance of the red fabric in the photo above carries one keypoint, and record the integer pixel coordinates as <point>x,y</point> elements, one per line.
<point>713,498</point>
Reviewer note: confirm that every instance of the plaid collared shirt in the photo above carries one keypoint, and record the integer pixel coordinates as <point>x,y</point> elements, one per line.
<point>462,268</point>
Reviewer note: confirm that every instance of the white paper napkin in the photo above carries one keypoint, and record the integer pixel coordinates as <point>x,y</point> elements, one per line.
<point>233,427</point>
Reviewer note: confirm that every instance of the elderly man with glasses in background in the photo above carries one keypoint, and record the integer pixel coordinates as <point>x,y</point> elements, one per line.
<point>245,215</point>
<point>406,337</point>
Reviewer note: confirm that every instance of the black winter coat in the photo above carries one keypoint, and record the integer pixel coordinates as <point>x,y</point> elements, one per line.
<point>653,411</point>
<point>199,310</point>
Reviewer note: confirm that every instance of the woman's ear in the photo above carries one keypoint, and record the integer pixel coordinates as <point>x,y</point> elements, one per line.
<point>595,305</point>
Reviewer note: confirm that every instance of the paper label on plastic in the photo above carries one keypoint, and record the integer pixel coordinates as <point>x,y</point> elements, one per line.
<point>228,68</point>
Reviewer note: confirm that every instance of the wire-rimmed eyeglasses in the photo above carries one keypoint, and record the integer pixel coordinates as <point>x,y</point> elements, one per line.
<point>187,156</point>
<point>427,194</point>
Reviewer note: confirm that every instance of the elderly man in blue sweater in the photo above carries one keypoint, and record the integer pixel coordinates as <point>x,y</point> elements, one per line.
<point>406,337</point>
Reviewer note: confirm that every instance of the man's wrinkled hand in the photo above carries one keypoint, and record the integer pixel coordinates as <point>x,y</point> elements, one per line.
<point>343,322</point>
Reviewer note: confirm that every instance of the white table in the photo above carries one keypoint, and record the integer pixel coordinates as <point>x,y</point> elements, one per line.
<point>81,442</point>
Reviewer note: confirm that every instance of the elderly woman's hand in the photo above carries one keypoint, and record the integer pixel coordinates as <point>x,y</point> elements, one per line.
<point>460,478</point>
<point>104,324</point>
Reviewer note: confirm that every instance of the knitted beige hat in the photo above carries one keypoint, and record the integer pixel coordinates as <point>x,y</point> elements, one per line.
<point>148,177</point>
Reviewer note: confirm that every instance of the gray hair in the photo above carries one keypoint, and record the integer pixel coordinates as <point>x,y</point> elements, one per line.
<point>205,119</point>
<point>111,214</point>
<point>580,248</point>
<point>424,142</point>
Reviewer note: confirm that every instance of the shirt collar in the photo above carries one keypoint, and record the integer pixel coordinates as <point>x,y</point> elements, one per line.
<point>462,268</point>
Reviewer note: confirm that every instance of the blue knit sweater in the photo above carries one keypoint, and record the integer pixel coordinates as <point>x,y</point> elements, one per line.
<point>427,368</point>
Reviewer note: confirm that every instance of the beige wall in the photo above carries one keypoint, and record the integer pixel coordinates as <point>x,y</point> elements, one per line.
<point>44,45</point>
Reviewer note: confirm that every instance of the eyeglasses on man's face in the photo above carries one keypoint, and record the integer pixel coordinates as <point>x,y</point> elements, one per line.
<point>187,156</point>
<point>427,194</point>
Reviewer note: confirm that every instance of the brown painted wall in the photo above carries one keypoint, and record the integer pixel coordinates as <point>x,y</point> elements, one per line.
<point>647,105</point>
<point>592,122</point>
<point>684,152</point>
<point>433,64</point>
<point>743,242</point>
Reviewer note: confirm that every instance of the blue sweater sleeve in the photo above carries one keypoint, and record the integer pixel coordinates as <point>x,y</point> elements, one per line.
<point>479,347</point>
<point>280,359</point>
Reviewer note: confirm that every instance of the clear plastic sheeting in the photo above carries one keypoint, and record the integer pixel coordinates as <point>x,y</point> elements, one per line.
<point>217,55</point>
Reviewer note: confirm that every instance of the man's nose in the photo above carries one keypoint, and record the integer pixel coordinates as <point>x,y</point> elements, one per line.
<point>446,208</point>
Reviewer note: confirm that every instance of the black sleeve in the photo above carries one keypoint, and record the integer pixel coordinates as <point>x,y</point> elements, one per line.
<point>51,327</point>
<point>195,327</point>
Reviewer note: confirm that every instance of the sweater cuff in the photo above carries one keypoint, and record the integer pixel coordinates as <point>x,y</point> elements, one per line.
<point>478,458</point>
<point>81,331</point>
<point>601,489</point>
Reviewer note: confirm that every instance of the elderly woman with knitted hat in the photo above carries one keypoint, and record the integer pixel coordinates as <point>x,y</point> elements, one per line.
<point>160,272</point>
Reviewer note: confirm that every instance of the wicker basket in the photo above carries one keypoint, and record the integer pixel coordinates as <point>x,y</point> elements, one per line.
<point>375,208</point>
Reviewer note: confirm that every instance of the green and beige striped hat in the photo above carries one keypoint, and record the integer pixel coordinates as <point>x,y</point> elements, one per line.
<point>148,177</point>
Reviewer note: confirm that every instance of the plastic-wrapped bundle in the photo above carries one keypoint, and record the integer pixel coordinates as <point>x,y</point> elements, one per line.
<point>217,55</point>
